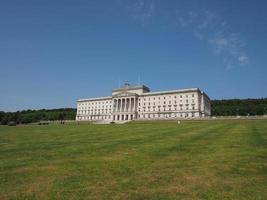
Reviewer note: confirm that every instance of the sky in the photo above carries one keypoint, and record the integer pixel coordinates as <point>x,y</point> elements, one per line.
<point>53,52</point>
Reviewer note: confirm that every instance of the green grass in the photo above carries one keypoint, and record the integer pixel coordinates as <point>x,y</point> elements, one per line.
<point>224,159</point>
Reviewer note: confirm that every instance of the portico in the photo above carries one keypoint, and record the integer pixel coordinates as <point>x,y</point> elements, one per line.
<point>124,107</point>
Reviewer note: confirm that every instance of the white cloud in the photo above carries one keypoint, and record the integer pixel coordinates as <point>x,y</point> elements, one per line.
<point>205,25</point>
<point>141,10</point>
<point>209,26</point>
<point>243,59</point>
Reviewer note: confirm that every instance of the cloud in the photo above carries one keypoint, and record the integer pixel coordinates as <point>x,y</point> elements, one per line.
<point>205,24</point>
<point>243,60</point>
<point>141,10</point>
<point>209,26</point>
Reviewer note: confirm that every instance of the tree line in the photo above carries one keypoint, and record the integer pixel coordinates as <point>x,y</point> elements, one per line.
<point>227,107</point>
<point>241,107</point>
<point>30,116</point>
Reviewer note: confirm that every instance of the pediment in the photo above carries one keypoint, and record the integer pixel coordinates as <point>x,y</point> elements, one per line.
<point>124,94</point>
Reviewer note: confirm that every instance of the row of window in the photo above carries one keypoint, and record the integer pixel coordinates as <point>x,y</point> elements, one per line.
<point>164,97</point>
<point>169,108</point>
<point>94,111</point>
<point>144,104</point>
<point>145,109</point>
<point>94,107</point>
<point>143,116</point>
<point>181,106</point>
<point>164,102</point>
<point>171,115</point>
<point>95,117</point>
<point>95,103</point>
<point>145,98</point>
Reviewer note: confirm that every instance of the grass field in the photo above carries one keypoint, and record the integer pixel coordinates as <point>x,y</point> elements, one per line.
<point>223,159</point>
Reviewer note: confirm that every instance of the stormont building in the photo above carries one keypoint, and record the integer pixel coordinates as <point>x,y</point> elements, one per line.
<point>137,102</point>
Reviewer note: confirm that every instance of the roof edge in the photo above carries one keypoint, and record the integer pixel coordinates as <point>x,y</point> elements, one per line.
<point>94,99</point>
<point>171,91</point>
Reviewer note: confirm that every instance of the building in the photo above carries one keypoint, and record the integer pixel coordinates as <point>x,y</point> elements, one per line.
<point>136,102</point>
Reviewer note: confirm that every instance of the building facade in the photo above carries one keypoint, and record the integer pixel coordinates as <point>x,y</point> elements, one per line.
<point>138,103</point>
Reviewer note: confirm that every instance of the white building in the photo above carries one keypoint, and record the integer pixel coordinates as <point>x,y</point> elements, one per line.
<point>137,102</point>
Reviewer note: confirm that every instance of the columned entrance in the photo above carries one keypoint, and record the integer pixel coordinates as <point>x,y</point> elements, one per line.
<point>124,108</point>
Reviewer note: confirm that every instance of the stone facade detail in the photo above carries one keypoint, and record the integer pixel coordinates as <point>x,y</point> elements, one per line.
<point>138,103</point>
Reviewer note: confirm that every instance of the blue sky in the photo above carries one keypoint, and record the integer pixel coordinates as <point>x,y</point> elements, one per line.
<point>53,52</point>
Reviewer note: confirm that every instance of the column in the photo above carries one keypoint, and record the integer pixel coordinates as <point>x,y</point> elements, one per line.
<point>117,104</point>
<point>122,105</point>
<point>134,108</point>
<point>134,102</point>
<point>114,105</point>
<point>128,107</point>
<point>130,104</point>
<point>121,101</point>
<point>125,104</point>
<point>118,109</point>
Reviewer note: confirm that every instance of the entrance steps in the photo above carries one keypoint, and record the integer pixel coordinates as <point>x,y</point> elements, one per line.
<point>122,122</point>
<point>102,122</point>
<point>110,122</point>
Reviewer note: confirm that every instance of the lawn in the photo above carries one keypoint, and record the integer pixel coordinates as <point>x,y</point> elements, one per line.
<point>221,159</point>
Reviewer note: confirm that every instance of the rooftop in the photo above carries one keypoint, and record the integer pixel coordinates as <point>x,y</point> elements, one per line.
<point>127,86</point>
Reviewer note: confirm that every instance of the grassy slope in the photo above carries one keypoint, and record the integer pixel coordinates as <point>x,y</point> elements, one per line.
<point>156,160</point>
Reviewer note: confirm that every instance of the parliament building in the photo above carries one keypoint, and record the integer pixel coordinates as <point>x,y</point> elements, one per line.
<point>136,102</point>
